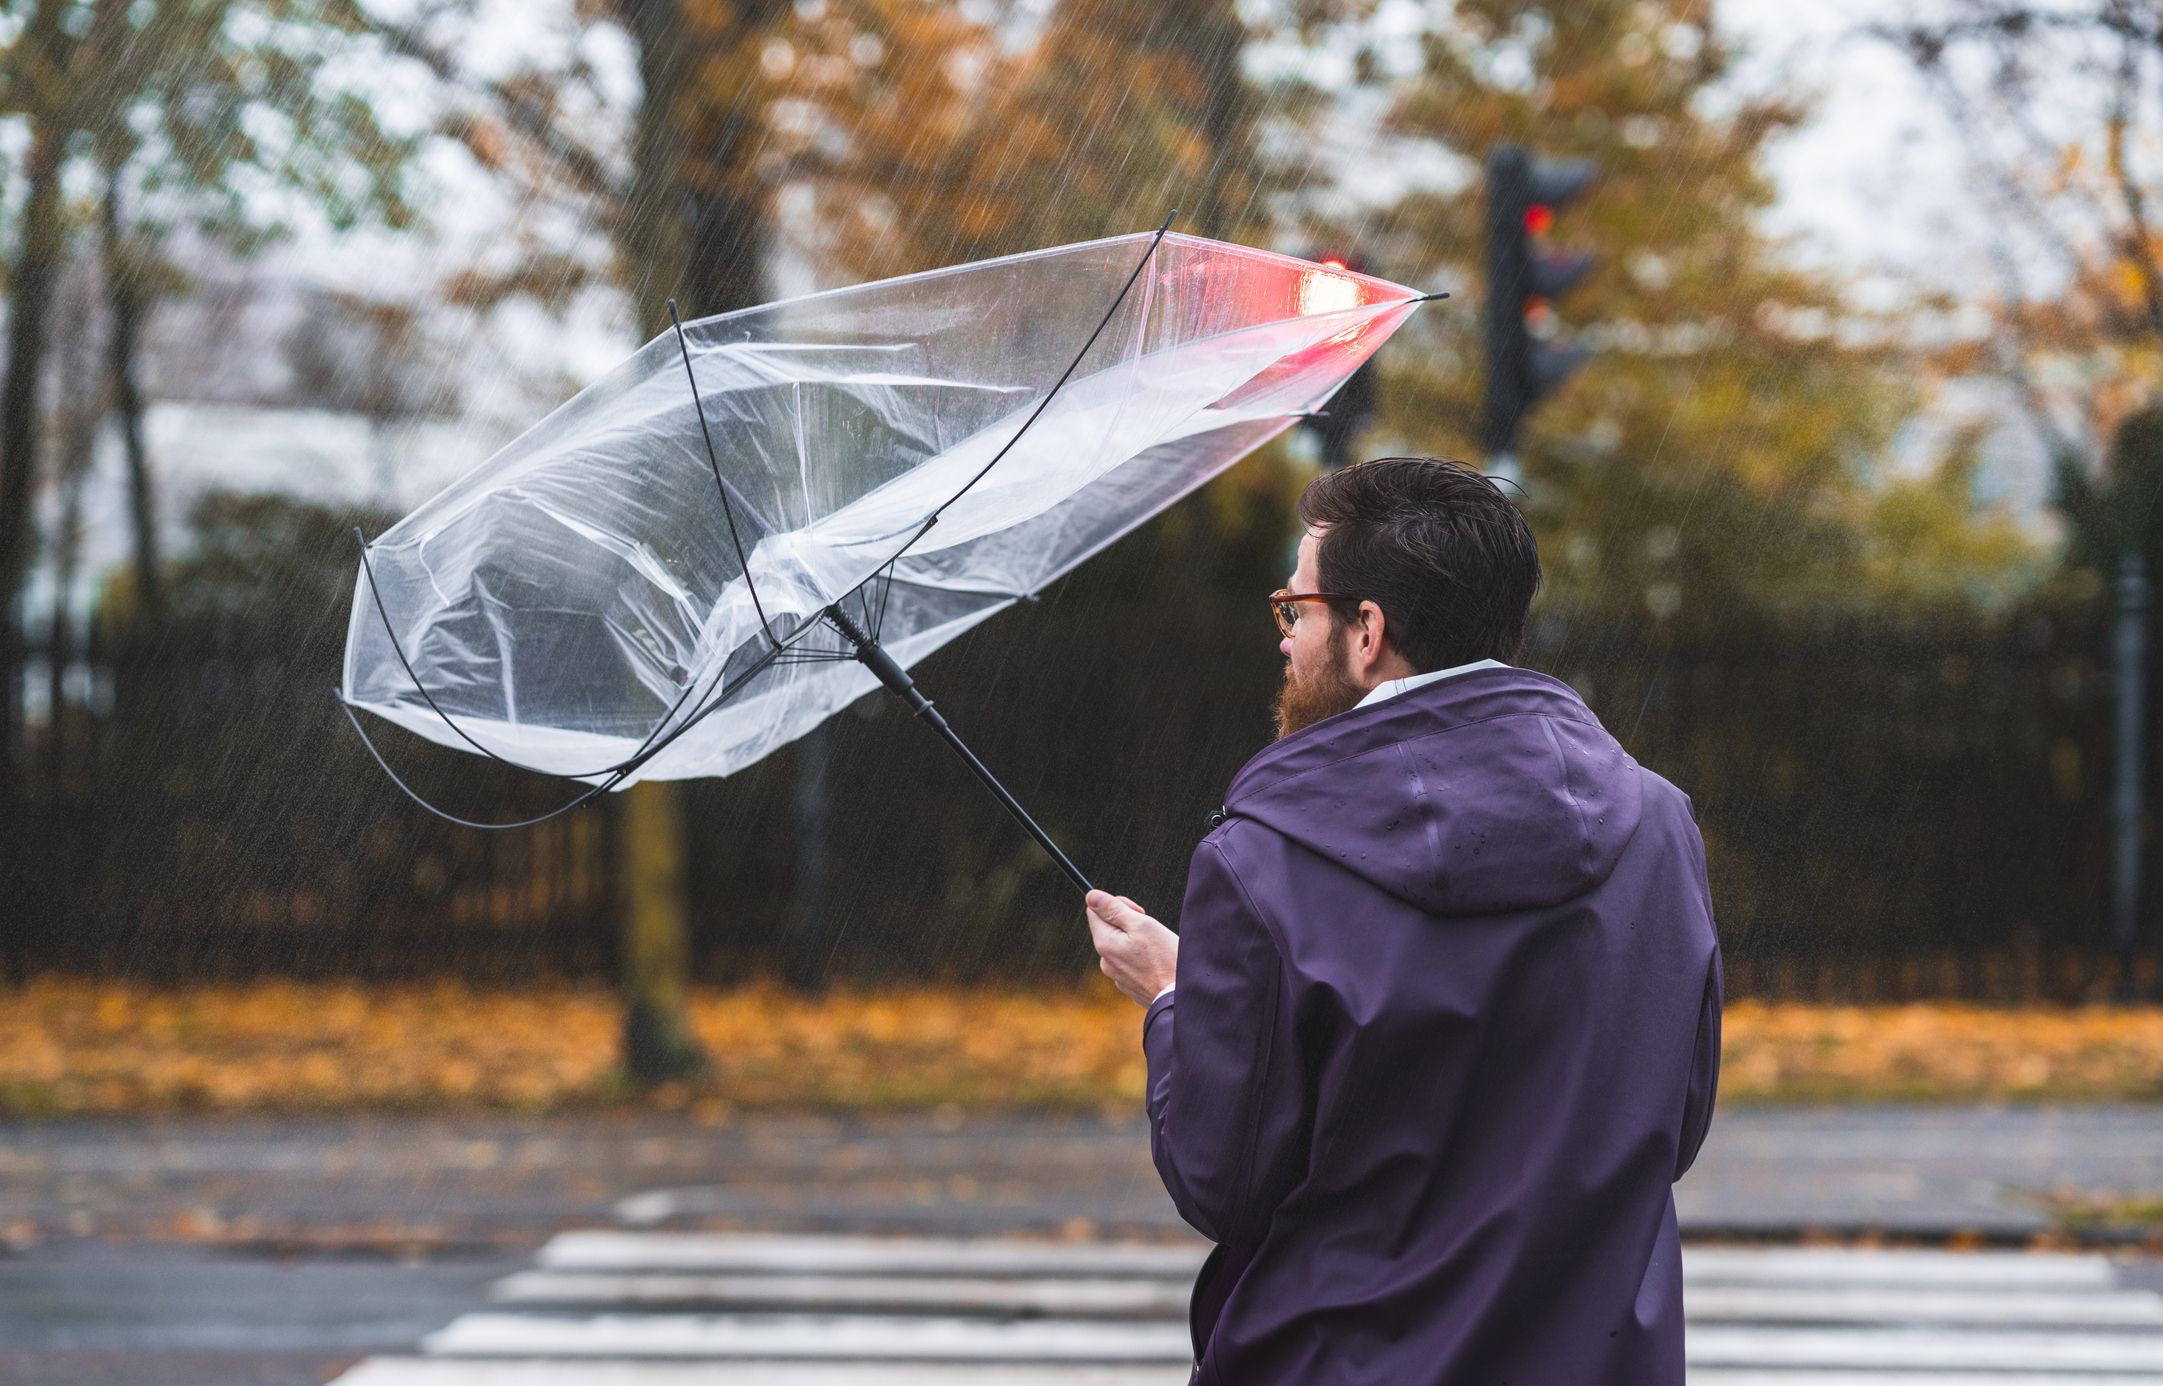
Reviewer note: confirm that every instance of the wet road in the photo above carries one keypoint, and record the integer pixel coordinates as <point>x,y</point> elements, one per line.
<point>84,1312</point>
<point>280,1251</point>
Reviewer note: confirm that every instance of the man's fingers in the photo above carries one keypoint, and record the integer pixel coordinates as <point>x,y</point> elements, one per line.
<point>1109,909</point>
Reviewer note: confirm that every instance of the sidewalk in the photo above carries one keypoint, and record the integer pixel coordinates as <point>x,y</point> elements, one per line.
<point>1961,1173</point>
<point>436,1183</point>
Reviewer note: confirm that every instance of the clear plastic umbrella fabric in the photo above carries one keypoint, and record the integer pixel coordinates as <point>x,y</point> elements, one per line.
<point>577,600</point>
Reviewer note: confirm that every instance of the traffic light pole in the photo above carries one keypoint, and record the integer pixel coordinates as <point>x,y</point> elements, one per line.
<point>1523,364</point>
<point>2126,806</point>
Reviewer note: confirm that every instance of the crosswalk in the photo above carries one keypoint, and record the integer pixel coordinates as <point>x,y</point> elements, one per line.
<point>672,1309</point>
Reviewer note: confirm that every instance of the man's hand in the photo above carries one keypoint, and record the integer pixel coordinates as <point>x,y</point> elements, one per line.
<point>1140,955</point>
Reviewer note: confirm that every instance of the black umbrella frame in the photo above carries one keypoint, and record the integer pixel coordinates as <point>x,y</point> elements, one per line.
<point>859,632</point>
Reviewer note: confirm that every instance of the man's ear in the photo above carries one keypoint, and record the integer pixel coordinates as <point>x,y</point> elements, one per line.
<point>1372,627</point>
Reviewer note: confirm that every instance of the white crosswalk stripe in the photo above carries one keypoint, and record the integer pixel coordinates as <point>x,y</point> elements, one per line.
<point>671,1309</point>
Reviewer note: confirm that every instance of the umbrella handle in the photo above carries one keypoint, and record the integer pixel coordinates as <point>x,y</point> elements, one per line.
<point>873,656</point>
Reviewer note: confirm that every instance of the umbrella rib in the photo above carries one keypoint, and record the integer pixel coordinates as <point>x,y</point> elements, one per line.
<point>391,634</point>
<point>886,594</point>
<point>713,462</point>
<point>1045,403</point>
<point>614,777</point>
<point>647,749</point>
<point>366,740</point>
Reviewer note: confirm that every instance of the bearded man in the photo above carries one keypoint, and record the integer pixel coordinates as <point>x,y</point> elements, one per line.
<point>1441,1025</point>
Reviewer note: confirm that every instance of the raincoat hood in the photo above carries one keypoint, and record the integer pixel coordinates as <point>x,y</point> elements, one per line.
<point>1489,792</point>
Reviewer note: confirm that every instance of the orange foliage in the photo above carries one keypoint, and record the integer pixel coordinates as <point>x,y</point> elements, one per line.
<point>1792,1052</point>
<point>77,1046</point>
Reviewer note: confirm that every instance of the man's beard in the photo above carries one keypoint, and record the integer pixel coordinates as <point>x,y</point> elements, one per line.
<point>1304,701</point>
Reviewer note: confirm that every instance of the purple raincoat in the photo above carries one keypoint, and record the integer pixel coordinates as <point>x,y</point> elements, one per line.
<point>1446,1030</point>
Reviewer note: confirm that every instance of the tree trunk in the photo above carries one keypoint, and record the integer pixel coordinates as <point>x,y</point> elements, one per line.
<point>67,553</point>
<point>36,267</point>
<point>726,247</point>
<point>651,236</point>
<point>658,1044</point>
<point>124,290</point>
<point>695,228</point>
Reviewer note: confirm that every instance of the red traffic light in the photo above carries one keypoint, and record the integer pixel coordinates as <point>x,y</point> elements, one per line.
<point>1538,218</point>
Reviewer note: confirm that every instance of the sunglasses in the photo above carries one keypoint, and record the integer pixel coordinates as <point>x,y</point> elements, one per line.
<point>1285,604</point>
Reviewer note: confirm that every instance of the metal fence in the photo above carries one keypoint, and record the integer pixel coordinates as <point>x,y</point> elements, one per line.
<point>192,804</point>
<point>1892,807</point>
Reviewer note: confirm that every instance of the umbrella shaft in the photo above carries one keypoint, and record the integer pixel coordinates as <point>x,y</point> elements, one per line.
<point>874,657</point>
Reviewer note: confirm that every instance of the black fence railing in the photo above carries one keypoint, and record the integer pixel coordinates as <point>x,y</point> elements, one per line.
<point>193,804</point>
<point>1892,808</point>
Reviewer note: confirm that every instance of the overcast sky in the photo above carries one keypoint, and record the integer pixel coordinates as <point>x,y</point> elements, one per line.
<point>1874,181</point>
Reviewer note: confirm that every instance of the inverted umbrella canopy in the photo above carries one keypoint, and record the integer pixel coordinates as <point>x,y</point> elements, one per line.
<point>644,584</point>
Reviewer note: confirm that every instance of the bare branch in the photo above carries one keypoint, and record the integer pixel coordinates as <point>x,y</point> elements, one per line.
<point>2136,244</point>
<point>528,117</point>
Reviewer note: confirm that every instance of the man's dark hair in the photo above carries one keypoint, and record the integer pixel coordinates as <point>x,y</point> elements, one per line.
<point>1437,546</point>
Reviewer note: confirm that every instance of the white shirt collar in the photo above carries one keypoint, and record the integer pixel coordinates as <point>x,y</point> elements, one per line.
<point>1390,688</point>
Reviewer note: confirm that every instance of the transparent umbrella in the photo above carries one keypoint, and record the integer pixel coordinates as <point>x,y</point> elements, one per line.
<point>762,515</point>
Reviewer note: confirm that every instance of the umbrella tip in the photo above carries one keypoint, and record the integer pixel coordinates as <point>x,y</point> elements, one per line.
<point>1433,297</point>
<point>1168,219</point>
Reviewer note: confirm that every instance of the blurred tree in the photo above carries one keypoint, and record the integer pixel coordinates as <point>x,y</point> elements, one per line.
<point>2053,105</point>
<point>694,225</point>
<point>877,108</point>
<point>130,281</point>
<point>373,358</point>
<point>78,405</point>
<point>1923,541</point>
<point>2123,511</point>
<point>689,218</point>
<point>922,140</point>
<point>936,141</point>
<point>271,560</point>
<point>184,94</point>
<point>1718,442</point>
<point>702,127</point>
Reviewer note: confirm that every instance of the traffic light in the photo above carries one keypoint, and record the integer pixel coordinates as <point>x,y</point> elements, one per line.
<point>1352,407</point>
<point>1525,359</point>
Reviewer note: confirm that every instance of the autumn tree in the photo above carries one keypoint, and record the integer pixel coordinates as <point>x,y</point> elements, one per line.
<point>185,92</point>
<point>1712,451</point>
<point>921,140</point>
<point>686,205</point>
<point>935,142</point>
<point>2054,113</point>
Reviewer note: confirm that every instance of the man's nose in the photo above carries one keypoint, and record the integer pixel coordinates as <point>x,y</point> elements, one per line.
<point>1284,647</point>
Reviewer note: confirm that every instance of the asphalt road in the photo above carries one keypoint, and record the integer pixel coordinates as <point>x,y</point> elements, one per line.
<point>86,1312</point>
<point>189,1251</point>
